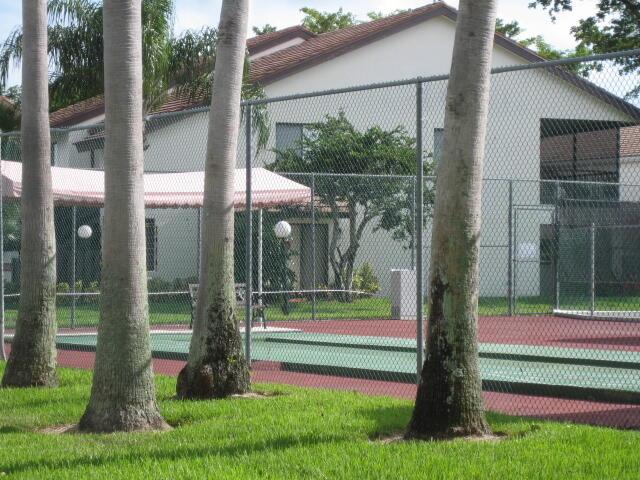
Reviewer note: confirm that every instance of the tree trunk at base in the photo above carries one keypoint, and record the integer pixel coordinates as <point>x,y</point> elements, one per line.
<point>449,399</point>
<point>216,366</point>
<point>123,392</point>
<point>32,361</point>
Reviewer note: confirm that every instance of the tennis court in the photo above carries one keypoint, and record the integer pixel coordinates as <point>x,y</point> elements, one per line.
<point>565,358</point>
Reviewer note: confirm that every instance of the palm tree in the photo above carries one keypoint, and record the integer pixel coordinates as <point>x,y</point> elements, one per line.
<point>449,399</point>
<point>216,366</point>
<point>32,361</point>
<point>76,53</point>
<point>123,393</point>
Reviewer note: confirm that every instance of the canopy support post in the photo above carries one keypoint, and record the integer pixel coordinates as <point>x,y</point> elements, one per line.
<point>260,247</point>
<point>3,353</point>
<point>73,267</point>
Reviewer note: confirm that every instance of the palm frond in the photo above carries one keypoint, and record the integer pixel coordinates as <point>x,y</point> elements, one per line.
<point>10,54</point>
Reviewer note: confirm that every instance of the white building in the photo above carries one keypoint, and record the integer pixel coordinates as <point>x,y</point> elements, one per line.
<point>529,110</point>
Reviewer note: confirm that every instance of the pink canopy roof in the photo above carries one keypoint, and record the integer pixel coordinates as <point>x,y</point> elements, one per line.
<point>73,186</point>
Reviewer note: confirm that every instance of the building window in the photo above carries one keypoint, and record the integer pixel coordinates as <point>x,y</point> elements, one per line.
<point>54,147</point>
<point>438,144</point>
<point>579,160</point>
<point>151,231</point>
<point>289,137</point>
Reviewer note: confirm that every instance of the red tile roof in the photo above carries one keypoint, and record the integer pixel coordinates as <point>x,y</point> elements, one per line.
<point>78,112</point>
<point>268,40</point>
<point>93,107</point>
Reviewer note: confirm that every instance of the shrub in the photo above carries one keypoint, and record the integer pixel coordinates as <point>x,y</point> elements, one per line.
<point>158,285</point>
<point>365,279</point>
<point>182,284</point>
<point>63,287</point>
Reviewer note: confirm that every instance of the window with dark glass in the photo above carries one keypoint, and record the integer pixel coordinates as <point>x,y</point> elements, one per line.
<point>151,231</point>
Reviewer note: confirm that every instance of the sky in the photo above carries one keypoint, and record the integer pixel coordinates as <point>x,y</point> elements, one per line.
<point>195,14</point>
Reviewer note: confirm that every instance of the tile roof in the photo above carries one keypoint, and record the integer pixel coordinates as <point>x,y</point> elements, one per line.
<point>263,42</point>
<point>93,107</point>
<point>78,112</point>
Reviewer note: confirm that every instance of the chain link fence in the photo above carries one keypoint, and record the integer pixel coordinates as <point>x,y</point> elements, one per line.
<point>332,245</point>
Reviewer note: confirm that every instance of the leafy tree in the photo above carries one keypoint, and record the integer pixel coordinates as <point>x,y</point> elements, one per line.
<point>379,15</point>
<point>32,361</point>
<point>12,225</point>
<point>266,28</point>
<point>543,48</point>
<point>216,366</point>
<point>354,194</point>
<point>614,27</point>
<point>510,29</point>
<point>10,109</point>
<point>323,22</point>
<point>449,398</point>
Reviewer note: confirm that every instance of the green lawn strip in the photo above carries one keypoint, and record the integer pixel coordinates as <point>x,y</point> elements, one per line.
<point>178,310</point>
<point>297,433</point>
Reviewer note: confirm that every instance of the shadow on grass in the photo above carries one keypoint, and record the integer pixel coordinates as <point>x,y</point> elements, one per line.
<point>394,421</point>
<point>173,454</point>
<point>11,429</point>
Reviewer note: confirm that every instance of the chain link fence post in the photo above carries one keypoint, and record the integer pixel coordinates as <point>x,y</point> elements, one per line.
<point>3,355</point>
<point>249,235</point>
<point>313,247</point>
<point>592,267</point>
<point>556,256</point>
<point>510,250</point>
<point>73,266</point>
<point>419,211</point>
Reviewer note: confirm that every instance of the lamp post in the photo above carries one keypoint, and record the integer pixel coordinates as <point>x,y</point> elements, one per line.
<point>282,230</point>
<point>84,232</point>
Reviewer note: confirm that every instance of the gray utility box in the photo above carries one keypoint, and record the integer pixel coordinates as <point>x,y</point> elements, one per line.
<point>403,294</point>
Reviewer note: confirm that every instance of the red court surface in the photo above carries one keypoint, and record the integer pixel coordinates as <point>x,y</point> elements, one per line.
<point>530,330</point>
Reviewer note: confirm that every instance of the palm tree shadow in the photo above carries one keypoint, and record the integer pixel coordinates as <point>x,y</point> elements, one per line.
<point>388,420</point>
<point>175,453</point>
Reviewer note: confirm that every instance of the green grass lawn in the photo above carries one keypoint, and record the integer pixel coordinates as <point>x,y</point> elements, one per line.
<point>176,309</point>
<point>296,433</point>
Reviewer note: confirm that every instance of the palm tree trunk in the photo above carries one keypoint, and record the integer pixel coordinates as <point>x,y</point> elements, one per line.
<point>449,399</point>
<point>32,361</point>
<point>216,366</point>
<point>123,393</point>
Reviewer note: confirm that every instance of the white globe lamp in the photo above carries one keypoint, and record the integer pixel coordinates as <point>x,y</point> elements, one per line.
<point>282,229</point>
<point>84,231</point>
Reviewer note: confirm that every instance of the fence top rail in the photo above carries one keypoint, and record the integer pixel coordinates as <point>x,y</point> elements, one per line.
<point>374,86</point>
<point>351,175</point>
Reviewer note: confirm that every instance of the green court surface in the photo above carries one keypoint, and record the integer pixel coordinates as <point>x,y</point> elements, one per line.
<point>589,374</point>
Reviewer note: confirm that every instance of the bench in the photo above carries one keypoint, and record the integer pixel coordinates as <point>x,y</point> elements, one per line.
<point>241,292</point>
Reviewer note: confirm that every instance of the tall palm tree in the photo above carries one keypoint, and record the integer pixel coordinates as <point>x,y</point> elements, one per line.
<point>32,361</point>
<point>449,399</point>
<point>123,394</point>
<point>216,366</point>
